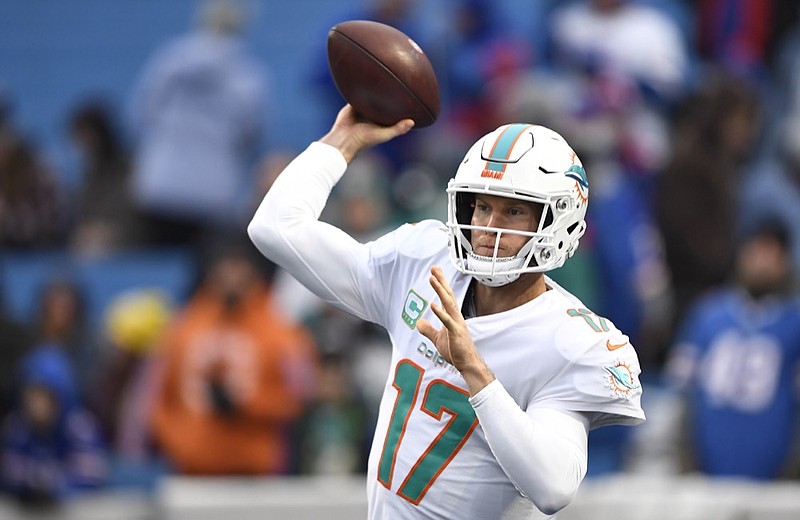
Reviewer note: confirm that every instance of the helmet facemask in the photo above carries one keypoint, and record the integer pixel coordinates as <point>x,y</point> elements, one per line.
<point>562,204</point>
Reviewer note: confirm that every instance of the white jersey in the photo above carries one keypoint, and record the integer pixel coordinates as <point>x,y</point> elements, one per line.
<point>430,456</point>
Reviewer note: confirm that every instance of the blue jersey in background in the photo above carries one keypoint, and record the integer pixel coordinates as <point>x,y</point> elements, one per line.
<point>738,360</point>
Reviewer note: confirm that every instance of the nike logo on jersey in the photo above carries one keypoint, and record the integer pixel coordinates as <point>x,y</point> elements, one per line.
<point>614,346</point>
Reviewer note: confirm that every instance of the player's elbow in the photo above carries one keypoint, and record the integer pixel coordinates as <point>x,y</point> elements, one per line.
<point>555,498</point>
<point>256,231</point>
<point>264,236</point>
<point>558,491</point>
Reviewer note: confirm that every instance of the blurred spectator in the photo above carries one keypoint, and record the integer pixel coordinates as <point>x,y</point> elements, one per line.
<point>714,134</point>
<point>624,38</point>
<point>773,186</point>
<point>368,347</point>
<point>743,35</point>
<point>632,278</point>
<point>482,57</point>
<point>6,109</point>
<point>103,210</point>
<point>737,357</point>
<point>121,386</point>
<point>61,321</point>
<point>15,340</point>
<point>51,446</point>
<point>361,204</point>
<point>199,116</point>
<point>335,432</point>
<point>787,70</point>
<point>236,375</point>
<point>270,166</point>
<point>31,205</point>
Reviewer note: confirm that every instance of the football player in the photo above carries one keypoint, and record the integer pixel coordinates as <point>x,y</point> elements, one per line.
<point>497,373</point>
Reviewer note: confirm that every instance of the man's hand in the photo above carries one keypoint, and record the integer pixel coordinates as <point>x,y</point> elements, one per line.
<point>351,134</point>
<point>453,340</point>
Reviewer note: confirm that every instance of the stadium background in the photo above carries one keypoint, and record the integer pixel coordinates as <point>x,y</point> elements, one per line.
<point>54,54</point>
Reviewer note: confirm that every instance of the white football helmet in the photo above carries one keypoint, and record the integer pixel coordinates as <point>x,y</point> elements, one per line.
<point>525,162</point>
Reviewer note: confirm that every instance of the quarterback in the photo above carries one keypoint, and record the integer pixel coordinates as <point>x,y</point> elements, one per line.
<point>498,374</point>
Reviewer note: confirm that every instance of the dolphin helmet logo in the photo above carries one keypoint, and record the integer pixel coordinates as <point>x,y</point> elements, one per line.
<point>577,172</point>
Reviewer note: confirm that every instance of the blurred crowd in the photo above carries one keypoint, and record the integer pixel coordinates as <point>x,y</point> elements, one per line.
<point>686,115</point>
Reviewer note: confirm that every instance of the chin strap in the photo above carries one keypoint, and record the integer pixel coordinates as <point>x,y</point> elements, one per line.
<point>485,264</point>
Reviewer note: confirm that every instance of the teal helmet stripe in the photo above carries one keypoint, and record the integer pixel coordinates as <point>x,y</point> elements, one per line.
<point>502,147</point>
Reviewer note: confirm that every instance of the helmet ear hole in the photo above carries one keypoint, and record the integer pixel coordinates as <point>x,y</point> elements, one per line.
<point>572,228</point>
<point>546,216</point>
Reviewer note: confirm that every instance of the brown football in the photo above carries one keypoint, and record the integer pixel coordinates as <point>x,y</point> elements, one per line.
<point>383,73</point>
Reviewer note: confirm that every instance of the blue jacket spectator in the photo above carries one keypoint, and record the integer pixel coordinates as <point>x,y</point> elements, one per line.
<point>737,358</point>
<point>51,447</point>
<point>199,112</point>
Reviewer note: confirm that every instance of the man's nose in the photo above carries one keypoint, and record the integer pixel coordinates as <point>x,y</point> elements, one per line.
<point>495,220</point>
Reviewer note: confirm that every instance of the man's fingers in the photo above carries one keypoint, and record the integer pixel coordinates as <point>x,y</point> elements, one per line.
<point>380,134</point>
<point>439,312</point>
<point>400,128</point>
<point>427,329</point>
<point>441,292</point>
<point>437,272</point>
<point>447,320</point>
<point>448,312</point>
<point>445,294</point>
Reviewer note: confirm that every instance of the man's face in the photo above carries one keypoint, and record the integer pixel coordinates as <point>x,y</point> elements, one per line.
<point>40,406</point>
<point>232,277</point>
<point>506,213</point>
<point>763,265</point>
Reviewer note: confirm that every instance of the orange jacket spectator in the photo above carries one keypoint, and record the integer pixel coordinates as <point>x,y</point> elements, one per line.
<point>236,374</point>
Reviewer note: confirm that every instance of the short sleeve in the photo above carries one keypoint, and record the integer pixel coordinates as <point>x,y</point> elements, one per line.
<point>602,380</point>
